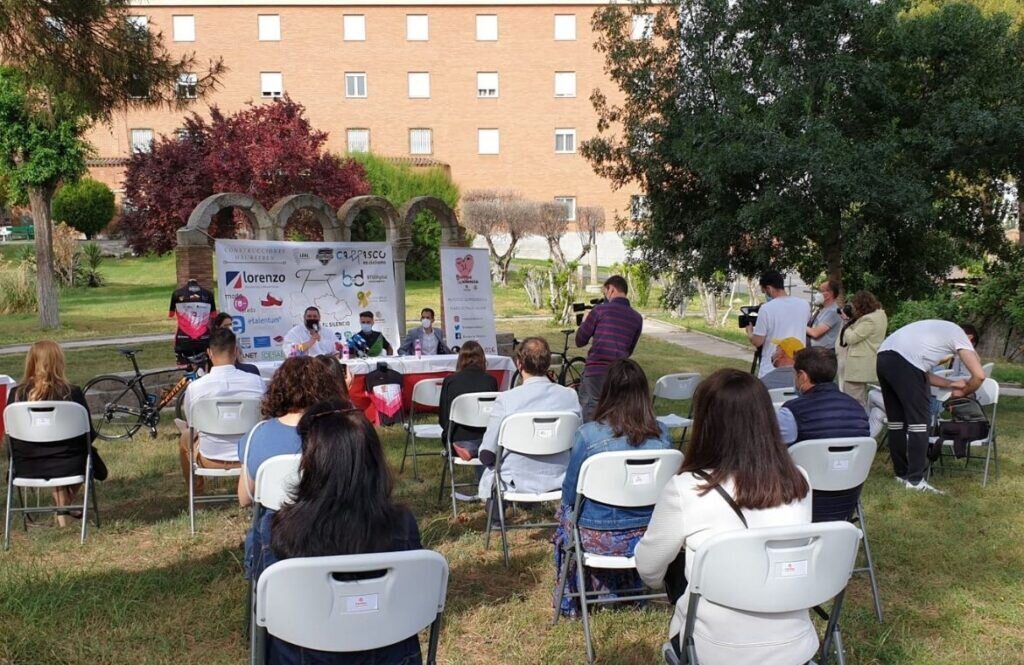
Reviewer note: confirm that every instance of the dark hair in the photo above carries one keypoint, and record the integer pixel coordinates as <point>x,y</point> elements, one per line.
<point>835,286</point>
<point>427,309</point>
<point>617,282</point>
<point>818,362</point>
<point>471,355</point>
<point>971,332</point>
<point>625,404</point>
<point>219,320</point>
<point>865,302</point>
<point>298,384</point>
<point>337,371</point>
<point>772,278</point>
<point>534,356</point>
<point>342,503</point>
<point>736,436</point>
<point>310,309</point>
<point>367,313</point>
<point>222,341</point>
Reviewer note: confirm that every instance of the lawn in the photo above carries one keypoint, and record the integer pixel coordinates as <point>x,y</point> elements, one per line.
<point>143,590</point>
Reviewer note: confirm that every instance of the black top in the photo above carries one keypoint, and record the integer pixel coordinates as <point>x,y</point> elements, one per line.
<point>192,306</point>
<point>51,460</point>
<point>246,367</point>
<point>469,380</point>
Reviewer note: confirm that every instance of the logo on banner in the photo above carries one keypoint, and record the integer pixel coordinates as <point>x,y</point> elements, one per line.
<point>271,301</point>
<point>245,342</point>
<point>261,342</point>
<point>464,268</point>
<point>352,280</point>
<point>241,303</point>
<point>238,324</point>
<point>324,255</point>
<point>236,279</point>
<point>364,298</point>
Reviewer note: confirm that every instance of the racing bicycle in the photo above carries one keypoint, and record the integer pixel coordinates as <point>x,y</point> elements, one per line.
<point>564,370</point>
<point>120,406</point>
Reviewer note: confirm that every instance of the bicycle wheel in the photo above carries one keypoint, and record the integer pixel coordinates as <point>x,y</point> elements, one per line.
<point>115,406</point>
<point>572,373</point>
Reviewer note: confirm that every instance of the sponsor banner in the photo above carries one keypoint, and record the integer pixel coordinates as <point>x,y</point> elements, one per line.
<point>266,287</point>
<point>468,301</point>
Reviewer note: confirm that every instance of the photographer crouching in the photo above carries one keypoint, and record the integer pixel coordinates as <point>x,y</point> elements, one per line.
<point>614,327</point>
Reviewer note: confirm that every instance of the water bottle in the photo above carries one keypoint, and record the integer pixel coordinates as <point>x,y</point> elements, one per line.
<point>344,351</point>
<point>419,349</point>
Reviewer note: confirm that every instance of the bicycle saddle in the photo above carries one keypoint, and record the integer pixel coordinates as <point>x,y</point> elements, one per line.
<point>129,352</point>
<point>568,332</point>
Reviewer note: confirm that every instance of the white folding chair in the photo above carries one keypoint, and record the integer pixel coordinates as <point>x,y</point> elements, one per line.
<point>622,479</point>
<point>219,416</point>
<point>771,571</point>
<point>836,465</point>
<point>41,423</point>
<point>782,395</point>
<point>314,602</point>
<point>987,369</point>
<point>677,387</point>
<point>425,393</point>
<point>469,410</point>
<point>988,397</point>
<point>530,434</point>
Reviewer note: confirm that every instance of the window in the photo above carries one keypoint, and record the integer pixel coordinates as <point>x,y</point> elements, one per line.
<point>184,28</point>
<point>420,142</point>
<point>565,27</point>
<point>638,207</point>
<point>565,140</point>
<point>487,141</point>
<point>487,27</point>
<point>359,140</point>
<point>269,27</point>
<point>419,85</point>
<point>417,27</point>
<point>354,26</point>
<point>355,84</point>
<point>643,24</point>
<point>565,84</point>
<point>187,86</point>
<point>142,140</point>
<point>140,23</point>
<point>570,206</point>
<point>271,84</point>
<point>487,84</point>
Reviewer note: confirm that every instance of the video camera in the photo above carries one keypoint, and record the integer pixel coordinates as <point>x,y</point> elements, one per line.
<point>579,308</point>
<point>748,315</point>
<point>846,310</point>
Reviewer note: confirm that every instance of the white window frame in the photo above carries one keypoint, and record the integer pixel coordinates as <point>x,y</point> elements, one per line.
<point>183,27</point>
<point>186,82</point>
<point>568,134</point>
<point>419,85</point>
<point>487,27</point>
<point>355,78</point>
<point>353,27</point>
<point>136,142</point>
<point>488,141</point>
<point>348,139</point>
<point>264,88</point>
<point>417,27</point>
<point>429,134</point>
<point>570,203</point>
<point>139,21</point>
<point>487,89</point>
<point>643,26</point>
<point>565,29</point>
<point>562,80</point>
<point>268,27</point>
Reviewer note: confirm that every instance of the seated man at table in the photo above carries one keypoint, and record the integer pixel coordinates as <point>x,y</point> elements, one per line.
<point>431,339</point>
<point>309,338</point>
<point>223,380</point>
<point>527,473</point>
<point>368,341</point>
<point>783,376</point>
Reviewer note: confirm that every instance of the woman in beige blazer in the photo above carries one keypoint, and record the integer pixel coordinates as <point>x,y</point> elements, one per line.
<point>858,343</point>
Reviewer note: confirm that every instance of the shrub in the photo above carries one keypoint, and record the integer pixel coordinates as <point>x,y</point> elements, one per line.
<point>17,288</point>
<point>86,206</point>
<point>92,257</point>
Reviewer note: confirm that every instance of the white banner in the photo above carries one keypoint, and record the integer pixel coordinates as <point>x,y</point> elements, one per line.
<point>266,286</point>
<point>468,300</point>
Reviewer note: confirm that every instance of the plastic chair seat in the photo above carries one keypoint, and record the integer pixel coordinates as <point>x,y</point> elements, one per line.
<point>529,497</point>
<point>672,421</point>
<point>426,431</point>
<point>610,562</point>
<point>218,473</point>
<point>49,482</point>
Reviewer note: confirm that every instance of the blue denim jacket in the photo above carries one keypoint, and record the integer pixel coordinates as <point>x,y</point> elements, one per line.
<point>591,439</point>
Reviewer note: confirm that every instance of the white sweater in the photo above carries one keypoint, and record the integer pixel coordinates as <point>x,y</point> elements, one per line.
<point>723,636</point>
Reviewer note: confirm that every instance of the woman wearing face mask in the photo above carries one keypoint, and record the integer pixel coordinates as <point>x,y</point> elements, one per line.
<point>825,323</point>
<point>431,339</point>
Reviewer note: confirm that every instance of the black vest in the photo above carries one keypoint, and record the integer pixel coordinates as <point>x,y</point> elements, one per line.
<point>823,412</point>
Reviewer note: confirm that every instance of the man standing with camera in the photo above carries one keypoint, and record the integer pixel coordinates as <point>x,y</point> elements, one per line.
<point>614,327</point>
<point>781,316</point>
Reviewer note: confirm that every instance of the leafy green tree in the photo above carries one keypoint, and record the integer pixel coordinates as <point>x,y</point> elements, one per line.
<point>86,206</point>
<point>843,136</point>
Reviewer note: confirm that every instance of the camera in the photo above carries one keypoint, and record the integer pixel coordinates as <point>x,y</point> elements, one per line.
<point>579,308</point>
<point>846,310</point>
<point>748,315</point>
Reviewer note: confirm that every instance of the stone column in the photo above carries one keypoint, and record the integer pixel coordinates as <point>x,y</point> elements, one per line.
<point>194,258</point>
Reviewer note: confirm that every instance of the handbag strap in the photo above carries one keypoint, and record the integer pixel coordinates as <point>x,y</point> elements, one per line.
<point>725,495</point>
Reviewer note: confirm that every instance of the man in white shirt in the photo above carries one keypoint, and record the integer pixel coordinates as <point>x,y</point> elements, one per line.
<point>309,338</point>
<point>223,380</point>
<point>904,364</point>
<point>780,317</point>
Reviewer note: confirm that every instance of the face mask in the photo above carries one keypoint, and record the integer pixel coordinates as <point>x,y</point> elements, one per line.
<point>818,299</point>
<point>366,327</point>
<point>426,323</point>
<point>312,324</point>
<point>767,296</point>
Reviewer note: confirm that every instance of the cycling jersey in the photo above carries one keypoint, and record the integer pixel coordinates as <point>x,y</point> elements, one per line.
<point>192,306</point>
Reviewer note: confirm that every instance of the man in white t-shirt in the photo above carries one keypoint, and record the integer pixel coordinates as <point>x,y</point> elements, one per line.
<point>309,338</point>
<point>780,317</point>
<point>904,364</point>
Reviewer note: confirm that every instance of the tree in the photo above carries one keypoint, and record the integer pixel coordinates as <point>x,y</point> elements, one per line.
<point>86,206</point>
<point>493,213</point>
<point>840,135</point>
<point>552,224</point>
<point>69,63</point>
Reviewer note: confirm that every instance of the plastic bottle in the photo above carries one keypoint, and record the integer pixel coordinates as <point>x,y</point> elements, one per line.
<point>419,349</point>
<point>344,351</point>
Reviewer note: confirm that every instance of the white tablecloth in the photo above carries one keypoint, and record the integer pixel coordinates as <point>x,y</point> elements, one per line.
<point>406,365</point>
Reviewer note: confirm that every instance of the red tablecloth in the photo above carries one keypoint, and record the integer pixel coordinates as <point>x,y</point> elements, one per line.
<point>357,392</point>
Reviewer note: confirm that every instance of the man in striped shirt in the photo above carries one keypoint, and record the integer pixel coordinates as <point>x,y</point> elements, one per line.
<point>614,329</point>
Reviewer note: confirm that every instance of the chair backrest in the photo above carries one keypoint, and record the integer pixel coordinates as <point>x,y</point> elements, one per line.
<point>987,369</point>
<point>836,464</point>
<point>538,433</point>
<point>988,393</point>
<point>472,409</point>
<point>46,422</point>
<point>224,415</point>
<point>302,601</point>
<point>275,480</point>
<point>782,395</point>
<point>677,386</point>
<point>427,392</point>
<point>776,569</point>
<point>628,478</point>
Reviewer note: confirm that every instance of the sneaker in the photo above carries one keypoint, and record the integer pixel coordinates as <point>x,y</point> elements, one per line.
<point>901,480</point>
<point>924,486</point>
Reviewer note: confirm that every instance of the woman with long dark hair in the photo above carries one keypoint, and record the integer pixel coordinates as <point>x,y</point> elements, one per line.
<point>623,420</point>
<point>470,377</point>
<point>341,505</point>
<point>735,446</point>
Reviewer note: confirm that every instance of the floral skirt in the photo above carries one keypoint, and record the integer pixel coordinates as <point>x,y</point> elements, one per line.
<point>609,583</point>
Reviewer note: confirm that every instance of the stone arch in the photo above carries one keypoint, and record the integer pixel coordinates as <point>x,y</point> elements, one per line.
<point>289,205</point>
<point>452,235</point>
<point>195,230</point>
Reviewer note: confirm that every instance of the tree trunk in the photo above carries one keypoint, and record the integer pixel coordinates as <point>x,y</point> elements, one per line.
<point>834,257</point>
<point>46,286</point>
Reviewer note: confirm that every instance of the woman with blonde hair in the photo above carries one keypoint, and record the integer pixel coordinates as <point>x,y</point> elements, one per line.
<point>45,381</point>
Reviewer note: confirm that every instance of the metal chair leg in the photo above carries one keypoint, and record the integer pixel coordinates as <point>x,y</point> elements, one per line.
<point>405,450</point>
<point>7,515</point>
<point>192,498</point>
<point>871,563</point>
<point>85,500</point>
<point>444,476</point>
<point>581,584</point>
<point>95,504</point>
<point>563,580</point>
<point>490,516</point>
<point>504,533</point>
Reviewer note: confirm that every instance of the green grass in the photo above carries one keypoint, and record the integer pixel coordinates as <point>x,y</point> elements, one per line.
<point>142,591</point>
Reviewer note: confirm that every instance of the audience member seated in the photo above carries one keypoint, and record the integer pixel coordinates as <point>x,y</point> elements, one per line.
<point>782,358</point>
<point>45,381</point>
<point>225,320</point>
<point>367,341</point>
<point>431,339</point>
<point>342,505</point>
<point>470,377</point>
<point>735,450</point>
<point>527,473</point>
<point>822,411</point>
<point>339,371</point>
<point>623,420</point>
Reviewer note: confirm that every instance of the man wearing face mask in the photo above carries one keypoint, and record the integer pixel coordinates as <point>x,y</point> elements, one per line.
<point>368,341</point>
<point>309,338</point>
<point>825,323</point>
<point>780,317</point>
<point>431,339</point>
